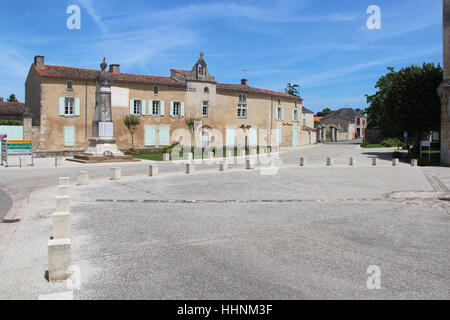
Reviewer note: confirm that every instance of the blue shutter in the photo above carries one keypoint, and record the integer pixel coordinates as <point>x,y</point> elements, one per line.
<point>62,106</point>
<point>293,115</point>
<point>164,136</point>
<point>282,113</point>
<point>132,106</point>
<point>182,109</point>
<point>69,136</point>
<point>144,107</point>
<point>276,113</point>
<point>77,106</point>
<point>253,137</point>
<point>150,136</point>
<point>171,108</point>
<point>162,107</point>
<point>150,107</point>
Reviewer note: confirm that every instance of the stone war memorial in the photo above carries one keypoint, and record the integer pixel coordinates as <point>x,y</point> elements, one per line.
<point>102,145</point>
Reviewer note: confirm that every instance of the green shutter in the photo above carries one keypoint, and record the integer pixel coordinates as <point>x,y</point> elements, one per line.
<point>62,106</point>
<point>132,106</point>
<point>77,106</point>
<point>69,136</point>
<point>162,107</point>
<point>182,109</point>
<point>143,107</point>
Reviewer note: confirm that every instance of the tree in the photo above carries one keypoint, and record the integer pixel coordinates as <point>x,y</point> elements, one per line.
<point>12,98</point>
<point>407,100</point>
<point>325,112</point>
<point>132,122</point>
<point>293,89</point>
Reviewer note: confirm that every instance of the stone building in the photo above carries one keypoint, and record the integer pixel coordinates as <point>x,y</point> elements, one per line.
<point>61,102</point>
<point>309,132</point>
<point>11,110</point>
<point>344,124</point>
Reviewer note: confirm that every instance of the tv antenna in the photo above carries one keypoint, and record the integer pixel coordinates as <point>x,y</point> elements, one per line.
<point>244,72</point>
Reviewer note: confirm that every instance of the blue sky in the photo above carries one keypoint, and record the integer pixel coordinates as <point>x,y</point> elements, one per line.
<point>324,46</point>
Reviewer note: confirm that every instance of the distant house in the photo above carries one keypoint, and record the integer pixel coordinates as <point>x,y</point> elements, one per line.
<point>11,110</point>
<point>345,124</point>
<point>309,133</point>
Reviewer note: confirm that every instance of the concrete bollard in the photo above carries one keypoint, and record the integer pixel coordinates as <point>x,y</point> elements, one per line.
<point>189,156</point>
<point>59,259</point>
<point>250,165</point>
<point>374,161</point>
<point>23,163</point>
<point>166,157</point>
<point>63,190</point>
<point>61,225</point>
<point>352,161</point>
<point>116,173</point>
<point>395,162</point>
<point>303,162</point>
<point>83,178</point>
<point>414,163</point>
<point>223,166</point>
<point>190,168</point>
<point>153,171</point>
<point>329,161</point>
<point>62,204</point>
<point>58,162</point>
<point>64,181</point>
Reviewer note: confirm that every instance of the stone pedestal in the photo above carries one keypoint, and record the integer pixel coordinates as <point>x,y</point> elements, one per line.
<point>59,259</point>
<point>414,163</point>
<point>83,178</point>
<point>241,153</point>
<point>303,162</point>
<point>166,157</point>
<point>395,162</point>
<point>253,152</point>
<point>23,163</point>
<point>153,171</point>
<point>116,173</point>
<point>228,154</point>
<point>223,166</point>
<point>58,162</point>
<point>61,225</point>
<point>190,168</point>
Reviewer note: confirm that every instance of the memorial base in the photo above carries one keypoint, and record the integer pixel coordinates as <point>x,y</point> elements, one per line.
<point>103,150</point>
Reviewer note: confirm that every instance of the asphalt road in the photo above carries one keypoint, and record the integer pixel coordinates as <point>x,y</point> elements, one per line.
<point>303,233</point>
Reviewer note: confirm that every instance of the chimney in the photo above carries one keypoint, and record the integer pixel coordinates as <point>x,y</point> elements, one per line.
<point>39,61</point>
<point>244,82</point>
<point>114,68</point>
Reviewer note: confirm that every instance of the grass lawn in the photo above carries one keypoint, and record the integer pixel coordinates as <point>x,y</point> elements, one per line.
<point>157,155</point>
<point>373,146</point>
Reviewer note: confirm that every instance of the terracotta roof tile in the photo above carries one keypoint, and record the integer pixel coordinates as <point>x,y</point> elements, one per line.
<point>246,88</point>
<point>12,108</point>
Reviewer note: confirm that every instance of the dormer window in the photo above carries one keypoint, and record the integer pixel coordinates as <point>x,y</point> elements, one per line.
<point>69,85</point>
<point>279,101</point>
<point>200,69</point>
<point>296,104</point>
<point>155,90</point>
<point>206,90</point>
<point>242,98</point>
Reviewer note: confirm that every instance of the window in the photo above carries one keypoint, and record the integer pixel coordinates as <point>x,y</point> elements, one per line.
<point>304,122</point>
<point>200,69</point>
<point>279,113</point>
<point>176,109</point>
<point>205,109</point>
<point>155,90</point>
<point>279,101</point>
<point>295,116</point>
<point>206,90</point>
<point>156,108</point>
<point>69,85</point>
<point>296,104</point>
<point>242,110</point>
<point>69,106</point>
<point>242,98</point>
<point>137,107</point>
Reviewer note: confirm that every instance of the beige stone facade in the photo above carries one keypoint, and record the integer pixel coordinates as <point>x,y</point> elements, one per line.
<point>61,101</point>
